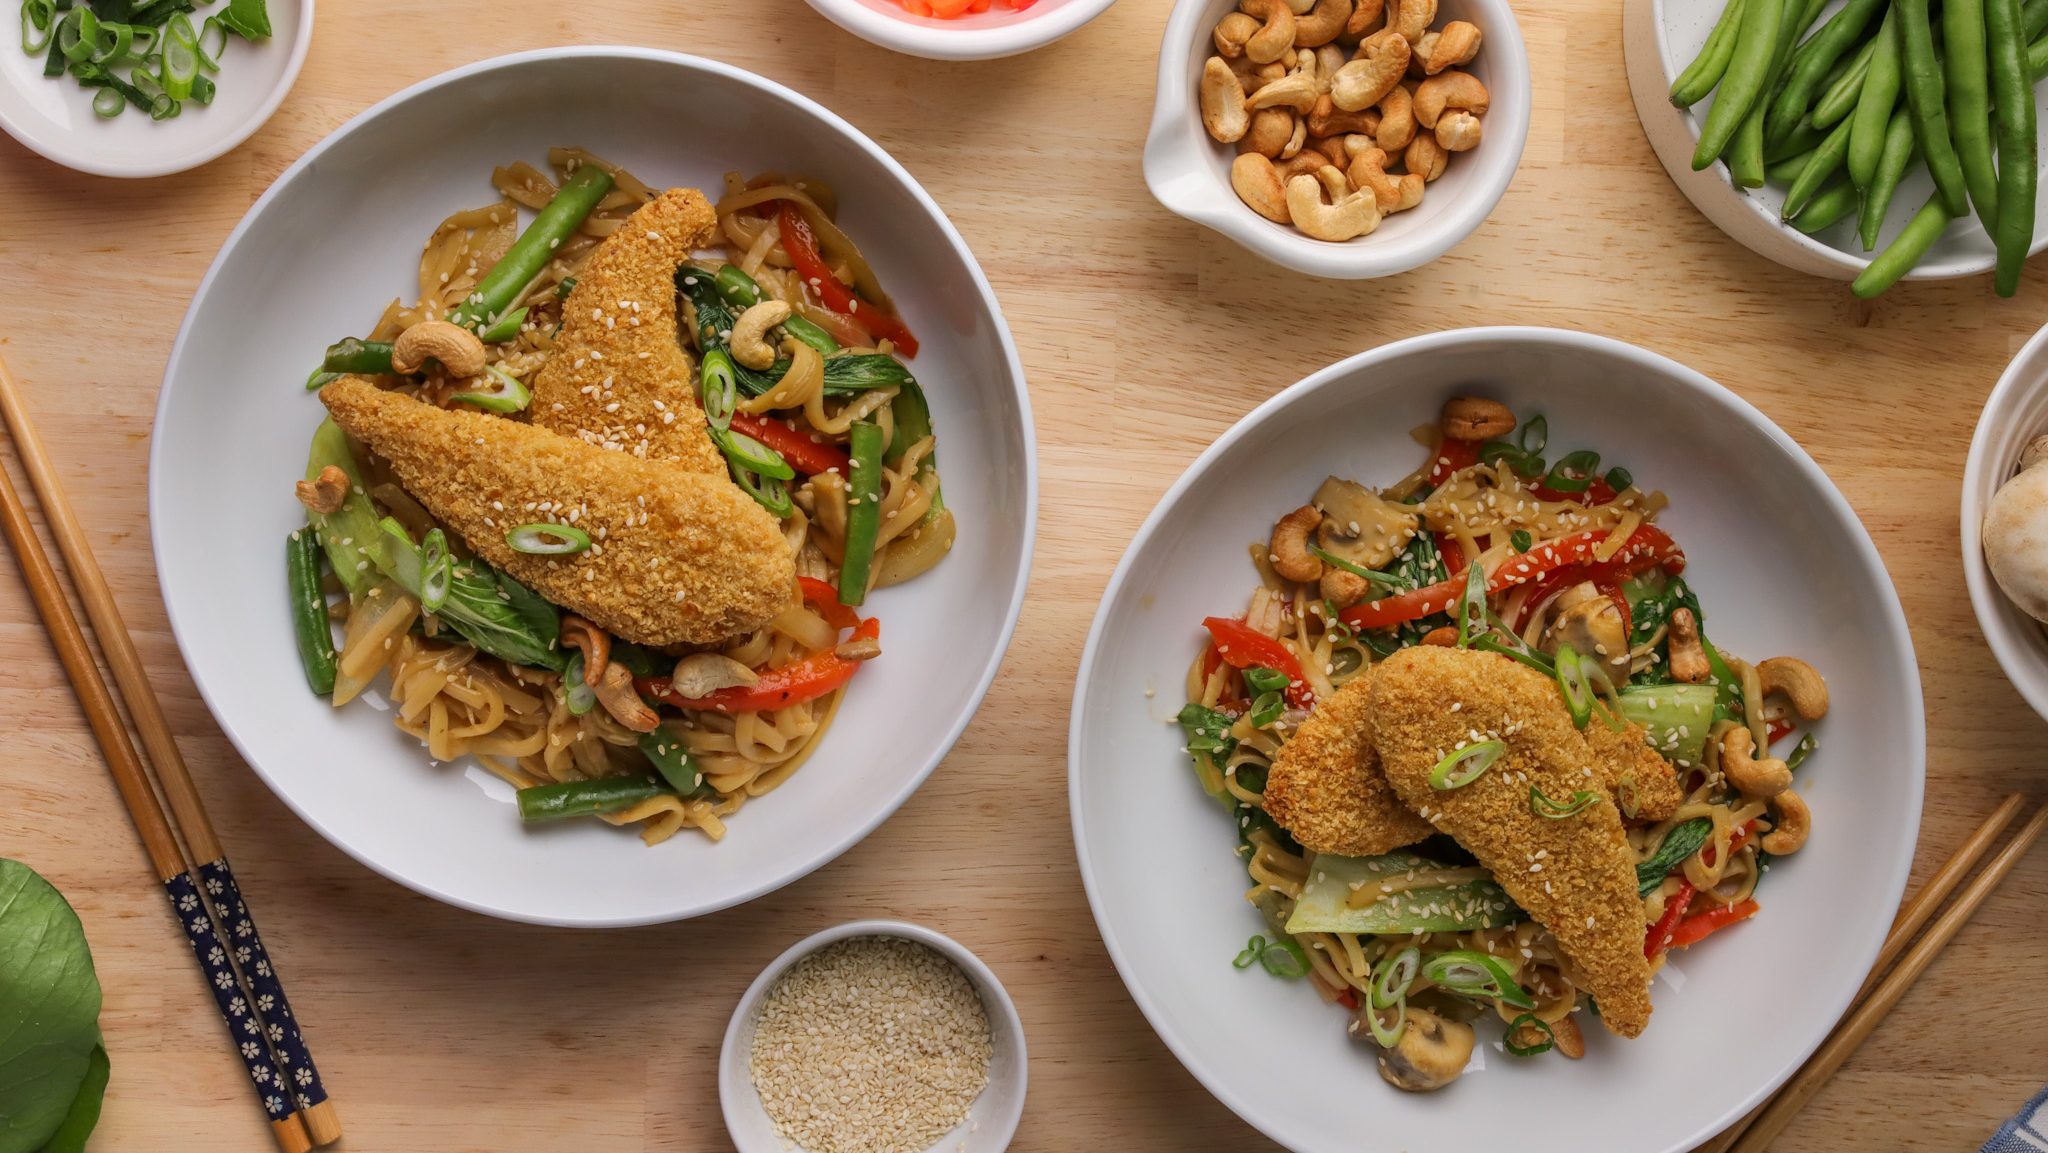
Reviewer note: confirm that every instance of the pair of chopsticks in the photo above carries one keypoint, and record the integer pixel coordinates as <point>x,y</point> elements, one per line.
<point>206,900</point>
<point>1889,982</point>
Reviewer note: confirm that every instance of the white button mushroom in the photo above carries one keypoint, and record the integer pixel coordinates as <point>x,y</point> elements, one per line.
<point>2016,533</point>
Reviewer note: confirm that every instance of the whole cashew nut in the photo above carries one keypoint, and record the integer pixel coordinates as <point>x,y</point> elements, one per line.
<point>1231,33</point>
<point>1289,547</point>
<point>1475,418</point>
<point>1755,777</point>
<point>1324,23</point>
<point>1348,214</point>
<point>455,347</point>
<point>749,339</point>
<point>1368,173</point>
<point>1295,90</point>
<point>1257,184</point>
<point>1411,18</point>
<point>327,492</point>
<point>1458,131</point>
<point>1222,98</point>
<point>1375,71</point>
<point>1275,36</point>
<point>1252,77</point>
<point>1791,821</point>
<point>1688,657</point>
<point>1426,157</point>
<point>1397,121</point>
<point>701,674</point>
<point>1449,90</point>
<point>1329,58</point>
<point>1306,162</point>
<point>1418,55</point>
<point>1456,45</point>
<point>1800,684</point>
<point>1343,589</point>
<point>594,643</point>
<point>1363,17</point>
<point>1271,129</point>
<point>1326,119</point>
<point>616,693</point>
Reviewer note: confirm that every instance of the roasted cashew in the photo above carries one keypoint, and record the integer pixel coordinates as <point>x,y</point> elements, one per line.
<point>615,692</point>
<point>1256,183</point>
<point>1363,17</point>
<point>1329,58</point>
<point>1442,636</point>
<point>1231,33</point>
<point>1289,546</point>
<point>1294,142</point>
<point>1368,173</point>
<point>1800,684</point>
<point>594,643</point>
<point>1688,658</point>
<point>1426,157</point>
<point>1458,131</point>
<point>1375,71</point>
<point>1275,36</point>
<point>1271,129</point>
<point>1755,776</point>
<point>701,674</point>
<point>1569,1040</point>
<point>1418,55</point>
<point>749,339</point>
<point>1791,821</point>
<point>1446,91</point>
<point>1222,97</point>
<point>1475,418</point>
<point>1411,18</point>
<point>1397,121</point>
<point>1295,90</point>
<point>458,350</point>
<point>1454,47</point>
<point>1326,119</point>
<point>1252,77</point>
<point>326,492</point>
<point>1343,589</point>
<point>1307,162</point>
<point>1322,24</point>
<point>1349,214</point>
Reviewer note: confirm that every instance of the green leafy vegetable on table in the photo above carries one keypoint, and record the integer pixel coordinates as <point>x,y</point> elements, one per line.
<point>53,1068</point>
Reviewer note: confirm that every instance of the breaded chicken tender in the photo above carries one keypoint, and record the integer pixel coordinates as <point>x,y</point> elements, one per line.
<point>1575,876</point>
<point>619,377</point>
<point>1326,788</point>
<point>1626,754</point>
<point>677,557</point>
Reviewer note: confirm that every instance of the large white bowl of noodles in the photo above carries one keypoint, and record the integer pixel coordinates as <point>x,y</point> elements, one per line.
<point>321,253</point>
<point>1781,565</point>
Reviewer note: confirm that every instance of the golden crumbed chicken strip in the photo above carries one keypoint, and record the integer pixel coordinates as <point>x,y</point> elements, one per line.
<point>677,558</point>
<point>1326,788</point>
<point>1576,876</point>
<point>619,377</point>
<point>1626,754</point>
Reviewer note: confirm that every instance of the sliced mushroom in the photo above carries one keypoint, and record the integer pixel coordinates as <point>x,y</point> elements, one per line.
<point>1360,526</point>
<point>1431,1053</point>
<point>1590,622</point>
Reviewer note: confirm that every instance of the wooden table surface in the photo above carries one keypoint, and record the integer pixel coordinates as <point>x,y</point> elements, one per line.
<point>438,1030</point>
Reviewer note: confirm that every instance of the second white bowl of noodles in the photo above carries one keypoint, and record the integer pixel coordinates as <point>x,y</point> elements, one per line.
<point>318,257</point>
<point>1781,565</point>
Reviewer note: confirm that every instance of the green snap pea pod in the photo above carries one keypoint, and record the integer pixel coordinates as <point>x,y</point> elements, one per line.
<point>563,215</point>
<point>1828,206</point>
<point>863,510</point>
<point>1925,95</point>
<point>1839,98</point>
<point>1827,160</point>
<point>1875,103</point>
<point>1706,69</point>
<point>1967,70</point>
<point>309,609</point>
<point>1905,250</point>
<point>1900,149</point>
<point>1748,74</point>
<point>666,753</point>
<point>583,798</point>
<point>1803,140</point>
<point>348,532</point>
<point>741,290</point>
<point>1786,171</point>
<point>1811,63</point>
<point>2019,165</point>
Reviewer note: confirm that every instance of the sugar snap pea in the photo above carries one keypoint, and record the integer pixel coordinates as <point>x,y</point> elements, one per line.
<point>1827,160</point>
<point>1926,96</point>
<point>1828,206</point>
<point>1744,83</point>
<point>1967,71</point>
<point>2012,95</point>
<point>1900,149</point>
<point>1905,250</point>
<point>1707,68</point>
<point>1875,103</point>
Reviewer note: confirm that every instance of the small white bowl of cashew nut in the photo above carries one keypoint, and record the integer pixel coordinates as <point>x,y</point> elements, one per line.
<point>1341,138</point>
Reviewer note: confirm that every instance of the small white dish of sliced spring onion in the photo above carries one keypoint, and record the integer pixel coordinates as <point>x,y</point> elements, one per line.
<point>142,88</point>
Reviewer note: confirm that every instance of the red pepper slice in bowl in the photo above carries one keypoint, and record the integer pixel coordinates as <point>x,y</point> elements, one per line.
<point>802,246</point>
<point>808,679</point>
<point>804,454</point>
<point>1243,647</point>
<point>1647,548</point>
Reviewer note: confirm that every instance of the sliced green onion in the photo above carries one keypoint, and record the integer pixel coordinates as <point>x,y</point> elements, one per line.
<point>1252,949</point>
<point>38,25</point>
<point>564,287</point>
<point>768,492</point>
<point>1620,479</point>
<point>107,103</point>
<point>1470,973</point>
<point>1472,610</point>
<point>1284,959</point>
<point>1265,680</point>
<point>1543,806</point>
<point>1387,1035</point>
<point>1574,472</point>
<point>437,571</point>
<point>1520,540</point>
<point>576,692</point>
<point>719,385</point>
<point>1466,765</point>
<point>1571,681</point>
<point>1529,1020</point>
<point>1516,652</point>
<point>508,395</point>
<point>751,455</point>
<point>1385,580</point>
<point>1535,434</point>
<point>1800,752</point>
<point>181,68</point>
<point>77,34</point>
<point>1525,464</point>
<point>1390,981</point>
<point>203,89</point>
<point>213,40</point>
<point>505,327</point>
<point>115,42</point>
<point>1267,709</point>
<point>548,539</point>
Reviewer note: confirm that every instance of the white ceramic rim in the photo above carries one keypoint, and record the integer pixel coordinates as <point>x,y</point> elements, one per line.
<point>1167,162</point>
<point>96,166</point>
<point>733,1068</point>
<point>907,35</point>
<point>770,90</point>
<point>2020,665</point>
<point>1902,863</point>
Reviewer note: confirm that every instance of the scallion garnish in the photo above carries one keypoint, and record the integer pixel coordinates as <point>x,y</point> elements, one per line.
<point>767,491</point>
<point>164,55</point>
<point>1252,949</point>
<point>1387,1035</point>
<point>1800,752</point>
<point>437,571</point>
<point>548,539</point>
<point>1529,1021</point>
<point>1390,981</point>
<point>1470,973</point>
<point>1627,797</point>
<point>1267,709</point>
<point>506,395</point>
<point>1573,472</point>
<point>1466,765</point>
<point>1284,959</point>
<point>1370,576</point>
<point>1265,680</point>
<point>1620,479</point>
<point>1472,609</point>
<point>1520,540</point>
<point>1571,681</point>
<point>1535,434</point>
<point>1514,651</point>
<point>576,692</point>
<point>1543,806</point>
<point>1525,464</point>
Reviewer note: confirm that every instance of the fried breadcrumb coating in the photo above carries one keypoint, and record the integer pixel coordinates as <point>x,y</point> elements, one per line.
<point>1326,788</point>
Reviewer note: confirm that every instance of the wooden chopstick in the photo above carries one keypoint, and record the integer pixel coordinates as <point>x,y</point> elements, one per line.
<point>1864,1020</point>
<point>1904,927</point>
<point>298,1117</point>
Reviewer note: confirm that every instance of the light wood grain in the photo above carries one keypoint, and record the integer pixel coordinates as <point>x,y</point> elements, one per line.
<point>447,1032</point>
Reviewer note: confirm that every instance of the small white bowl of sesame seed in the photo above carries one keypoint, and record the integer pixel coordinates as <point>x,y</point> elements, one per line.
<point>873,1037</point>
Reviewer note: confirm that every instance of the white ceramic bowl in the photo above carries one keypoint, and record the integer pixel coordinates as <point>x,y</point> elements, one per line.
<point>318,256</point>
<point>1156,853</point>
<point>1189,172</point>
<point>979,36</point>
<point>53,116</point>
<point>1660,38</point>
<point>990,1121</point>
<point>2016,413</point>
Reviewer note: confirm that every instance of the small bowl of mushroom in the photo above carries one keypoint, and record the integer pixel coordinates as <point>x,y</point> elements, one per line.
<point>2005,522</point>
<point>1341,138</point>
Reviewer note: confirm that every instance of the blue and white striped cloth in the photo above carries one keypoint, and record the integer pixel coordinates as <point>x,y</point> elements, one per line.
<point>2027,1132</point>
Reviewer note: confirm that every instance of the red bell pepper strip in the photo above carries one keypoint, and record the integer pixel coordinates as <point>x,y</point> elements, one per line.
<point>822,596</point>
<point>1778,731</point>
<point>1647,548</point>
<point>1243,647</point>
<point>1348,998</point>
<point>1452,554</point>
<point>1451,456</point>
<point>804,454</point>
<point>808,679</point>
<point>1700,926</point>
<point>802,246</point>
<point>1659,937</point>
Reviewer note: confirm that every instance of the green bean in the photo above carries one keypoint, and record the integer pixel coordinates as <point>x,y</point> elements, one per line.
<point>583,798</point>
<point>1748,74</point>
<point>535,247</point>
<point>863,510</point>
<point>1827,160</point>
<point>1810,65</point>
<point>1874,105</point>
<point>1925,96</point>
<point>309,609</point>
<point>666,753</point>
<point>1900,149</point>
<point>1840,97</point>
<point>1967,70</point>
<point>1803,140</point>
<point>1905,250</point>
<point>2037,61</point>
<point>1745,154</point>
<point>1786,171</point>
<point>2034,17</point>
<point>1706,69</point>
<point>1828,206</point>
<point>2019,170</point>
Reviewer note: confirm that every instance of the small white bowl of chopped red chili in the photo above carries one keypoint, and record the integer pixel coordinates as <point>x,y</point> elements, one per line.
<point>960,29</point>
<point>873,1035</point>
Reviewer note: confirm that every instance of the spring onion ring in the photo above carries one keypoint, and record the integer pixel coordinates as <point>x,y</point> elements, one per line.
<point>1388,1036</point>
<point>1390,982</point>
<point>1470,973</point>
<point>1548,809</point>
<point>1529,1020</point>
<point>1573,472</point>
<point>576,692</point>
<point>437,571</point>
<point>548,539</point>
<point>1472,610</point>
<point>508,396</point>
<point>1465,765</point>
<point>1571,681</point>
<point>720,388</point>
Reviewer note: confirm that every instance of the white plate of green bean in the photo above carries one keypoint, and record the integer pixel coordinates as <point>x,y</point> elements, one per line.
<point>1852,209</point>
